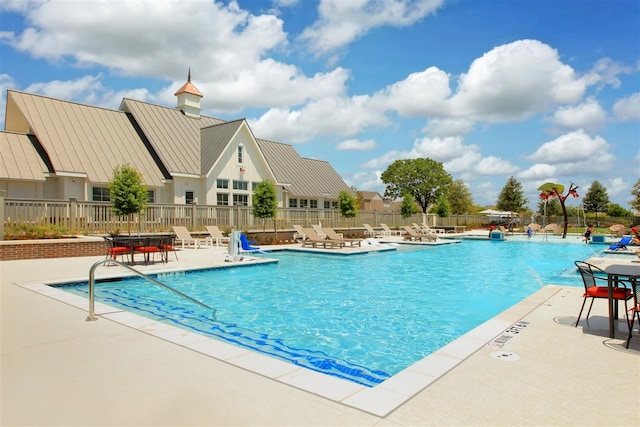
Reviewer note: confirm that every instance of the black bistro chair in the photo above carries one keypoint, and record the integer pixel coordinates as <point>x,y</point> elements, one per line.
<point>635,310</point>
<point>590,277</point>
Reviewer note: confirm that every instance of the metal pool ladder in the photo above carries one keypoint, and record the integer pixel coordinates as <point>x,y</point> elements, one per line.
<point>92,311</point>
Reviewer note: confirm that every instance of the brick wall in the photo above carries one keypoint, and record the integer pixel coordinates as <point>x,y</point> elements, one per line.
<point>51,248</point>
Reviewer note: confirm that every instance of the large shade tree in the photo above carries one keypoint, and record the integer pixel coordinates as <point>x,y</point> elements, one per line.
<point>127,192</point>
<point>425,179</point>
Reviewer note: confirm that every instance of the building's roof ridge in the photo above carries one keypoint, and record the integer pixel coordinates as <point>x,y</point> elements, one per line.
<point>64,100</point>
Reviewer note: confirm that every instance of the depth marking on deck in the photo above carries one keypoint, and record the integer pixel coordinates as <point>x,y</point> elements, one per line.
<point>509,333</point>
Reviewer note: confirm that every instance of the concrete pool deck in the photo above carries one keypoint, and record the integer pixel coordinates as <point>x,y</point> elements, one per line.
<point>58,369</point>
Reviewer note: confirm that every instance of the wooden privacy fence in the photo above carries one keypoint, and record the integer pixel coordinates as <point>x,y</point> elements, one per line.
<point>83,217</point>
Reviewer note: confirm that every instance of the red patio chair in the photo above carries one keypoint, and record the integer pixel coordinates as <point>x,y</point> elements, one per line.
<point>635,310</point>
<point>593,291</point>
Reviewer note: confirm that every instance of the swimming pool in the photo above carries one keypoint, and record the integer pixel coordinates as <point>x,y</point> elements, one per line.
<point>361,317</point>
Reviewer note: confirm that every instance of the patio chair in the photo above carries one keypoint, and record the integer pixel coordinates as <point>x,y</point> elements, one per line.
<point>116,249</point>
<point>635,310</point>
<point>371,232</point>
<point>148,246</point>
<point>590,276</point>
<point>425,229</point>
<point>185,238</point>
<point>168,245</point>
<point>216,235</point>
<point>332,235</point>
<point>389,232</point>
<point>412,235</point>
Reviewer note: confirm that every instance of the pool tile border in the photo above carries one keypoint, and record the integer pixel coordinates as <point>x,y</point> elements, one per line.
<point>379,400</point>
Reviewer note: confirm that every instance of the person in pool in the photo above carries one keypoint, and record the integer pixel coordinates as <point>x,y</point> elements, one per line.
<point>587,234</point>
<point>635,238</point>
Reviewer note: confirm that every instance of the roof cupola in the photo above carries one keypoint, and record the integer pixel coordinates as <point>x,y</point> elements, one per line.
<point>189,98</point>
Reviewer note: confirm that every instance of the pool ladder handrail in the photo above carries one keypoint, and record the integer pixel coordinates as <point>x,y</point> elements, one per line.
<point>92,270</point>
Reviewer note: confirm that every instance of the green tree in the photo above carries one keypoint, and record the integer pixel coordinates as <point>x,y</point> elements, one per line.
<point>635,193</point>
<point>265,203</point>
<point>441,207</point>
<point>596,200</point>
<point>347,204</point>
<point>408,207</point>
<point>549,208</point>
<point>127,193</point>
<point>511,197</point>
<point>425,179</point>
<point>459,197</point>
<point>616,210</point>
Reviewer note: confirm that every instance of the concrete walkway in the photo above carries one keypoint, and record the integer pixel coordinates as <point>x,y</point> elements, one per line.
<point>58,369</point>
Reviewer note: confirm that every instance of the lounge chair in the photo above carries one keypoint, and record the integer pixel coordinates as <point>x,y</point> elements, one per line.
<point>316,241</point>
<point>412,235</point>
<point>185,238</point>
<point>318,229</point>
<point>332,235</point>
<point>299,234</point>
<point>389,232</point>
<point>215,235</point>
<point>621,245</point>
<point>425,229</point>
<point>371,232</point>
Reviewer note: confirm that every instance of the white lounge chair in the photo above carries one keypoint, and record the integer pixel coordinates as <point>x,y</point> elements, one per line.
<point>299,234</point>
<point>318,229</point>
<point>412,235</point>
<point>185,238</point>
<point>215,235</point>
<point>371,232</point>
<point>390,232</point>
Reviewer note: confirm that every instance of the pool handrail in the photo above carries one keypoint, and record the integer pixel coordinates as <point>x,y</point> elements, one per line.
<point>92,270</point>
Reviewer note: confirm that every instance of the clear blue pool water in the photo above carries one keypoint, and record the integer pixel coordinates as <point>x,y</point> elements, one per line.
<point>360,317</point>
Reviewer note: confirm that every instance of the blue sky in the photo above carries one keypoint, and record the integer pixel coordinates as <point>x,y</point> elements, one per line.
<point>542,90</point>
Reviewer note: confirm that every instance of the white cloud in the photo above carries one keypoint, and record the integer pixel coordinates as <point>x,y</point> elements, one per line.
<point>514,81</point>
<point>420,94</point>
<point>357,145</point>
<point>229,59</point>
<point>570,148</point>
<point>331,115</point>
<point>605,72</point>
<point>441,149</point>
<point>448,127</point>
<point>340,22</point>
<point>588,115</point>
<point>628,109</point>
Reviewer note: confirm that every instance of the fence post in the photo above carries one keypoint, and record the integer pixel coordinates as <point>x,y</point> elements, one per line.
<point>2,195</point>
<point>73,213</point>
<point>194,212</point>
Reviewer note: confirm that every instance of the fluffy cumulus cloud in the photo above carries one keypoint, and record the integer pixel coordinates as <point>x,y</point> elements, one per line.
<point>572,154</point>
<point>588,115</point>
<point>332,115</point>
<point>515,81</point>
<point>628,109</point>
<point>356,145</point>
<point>229,59</point>
<point>570,147</point>
<point>340,22</point>
<point>420,94</point>
<point>448,127</point>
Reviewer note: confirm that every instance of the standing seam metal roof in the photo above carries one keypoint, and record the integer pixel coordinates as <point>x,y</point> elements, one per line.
<point>19,159</point>
<point>174,136</point>
<point>84,139</point>
<point>308,177</point>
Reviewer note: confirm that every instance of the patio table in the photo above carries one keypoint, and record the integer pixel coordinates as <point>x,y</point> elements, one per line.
<point>134,241</point>
<point>615,273</point>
